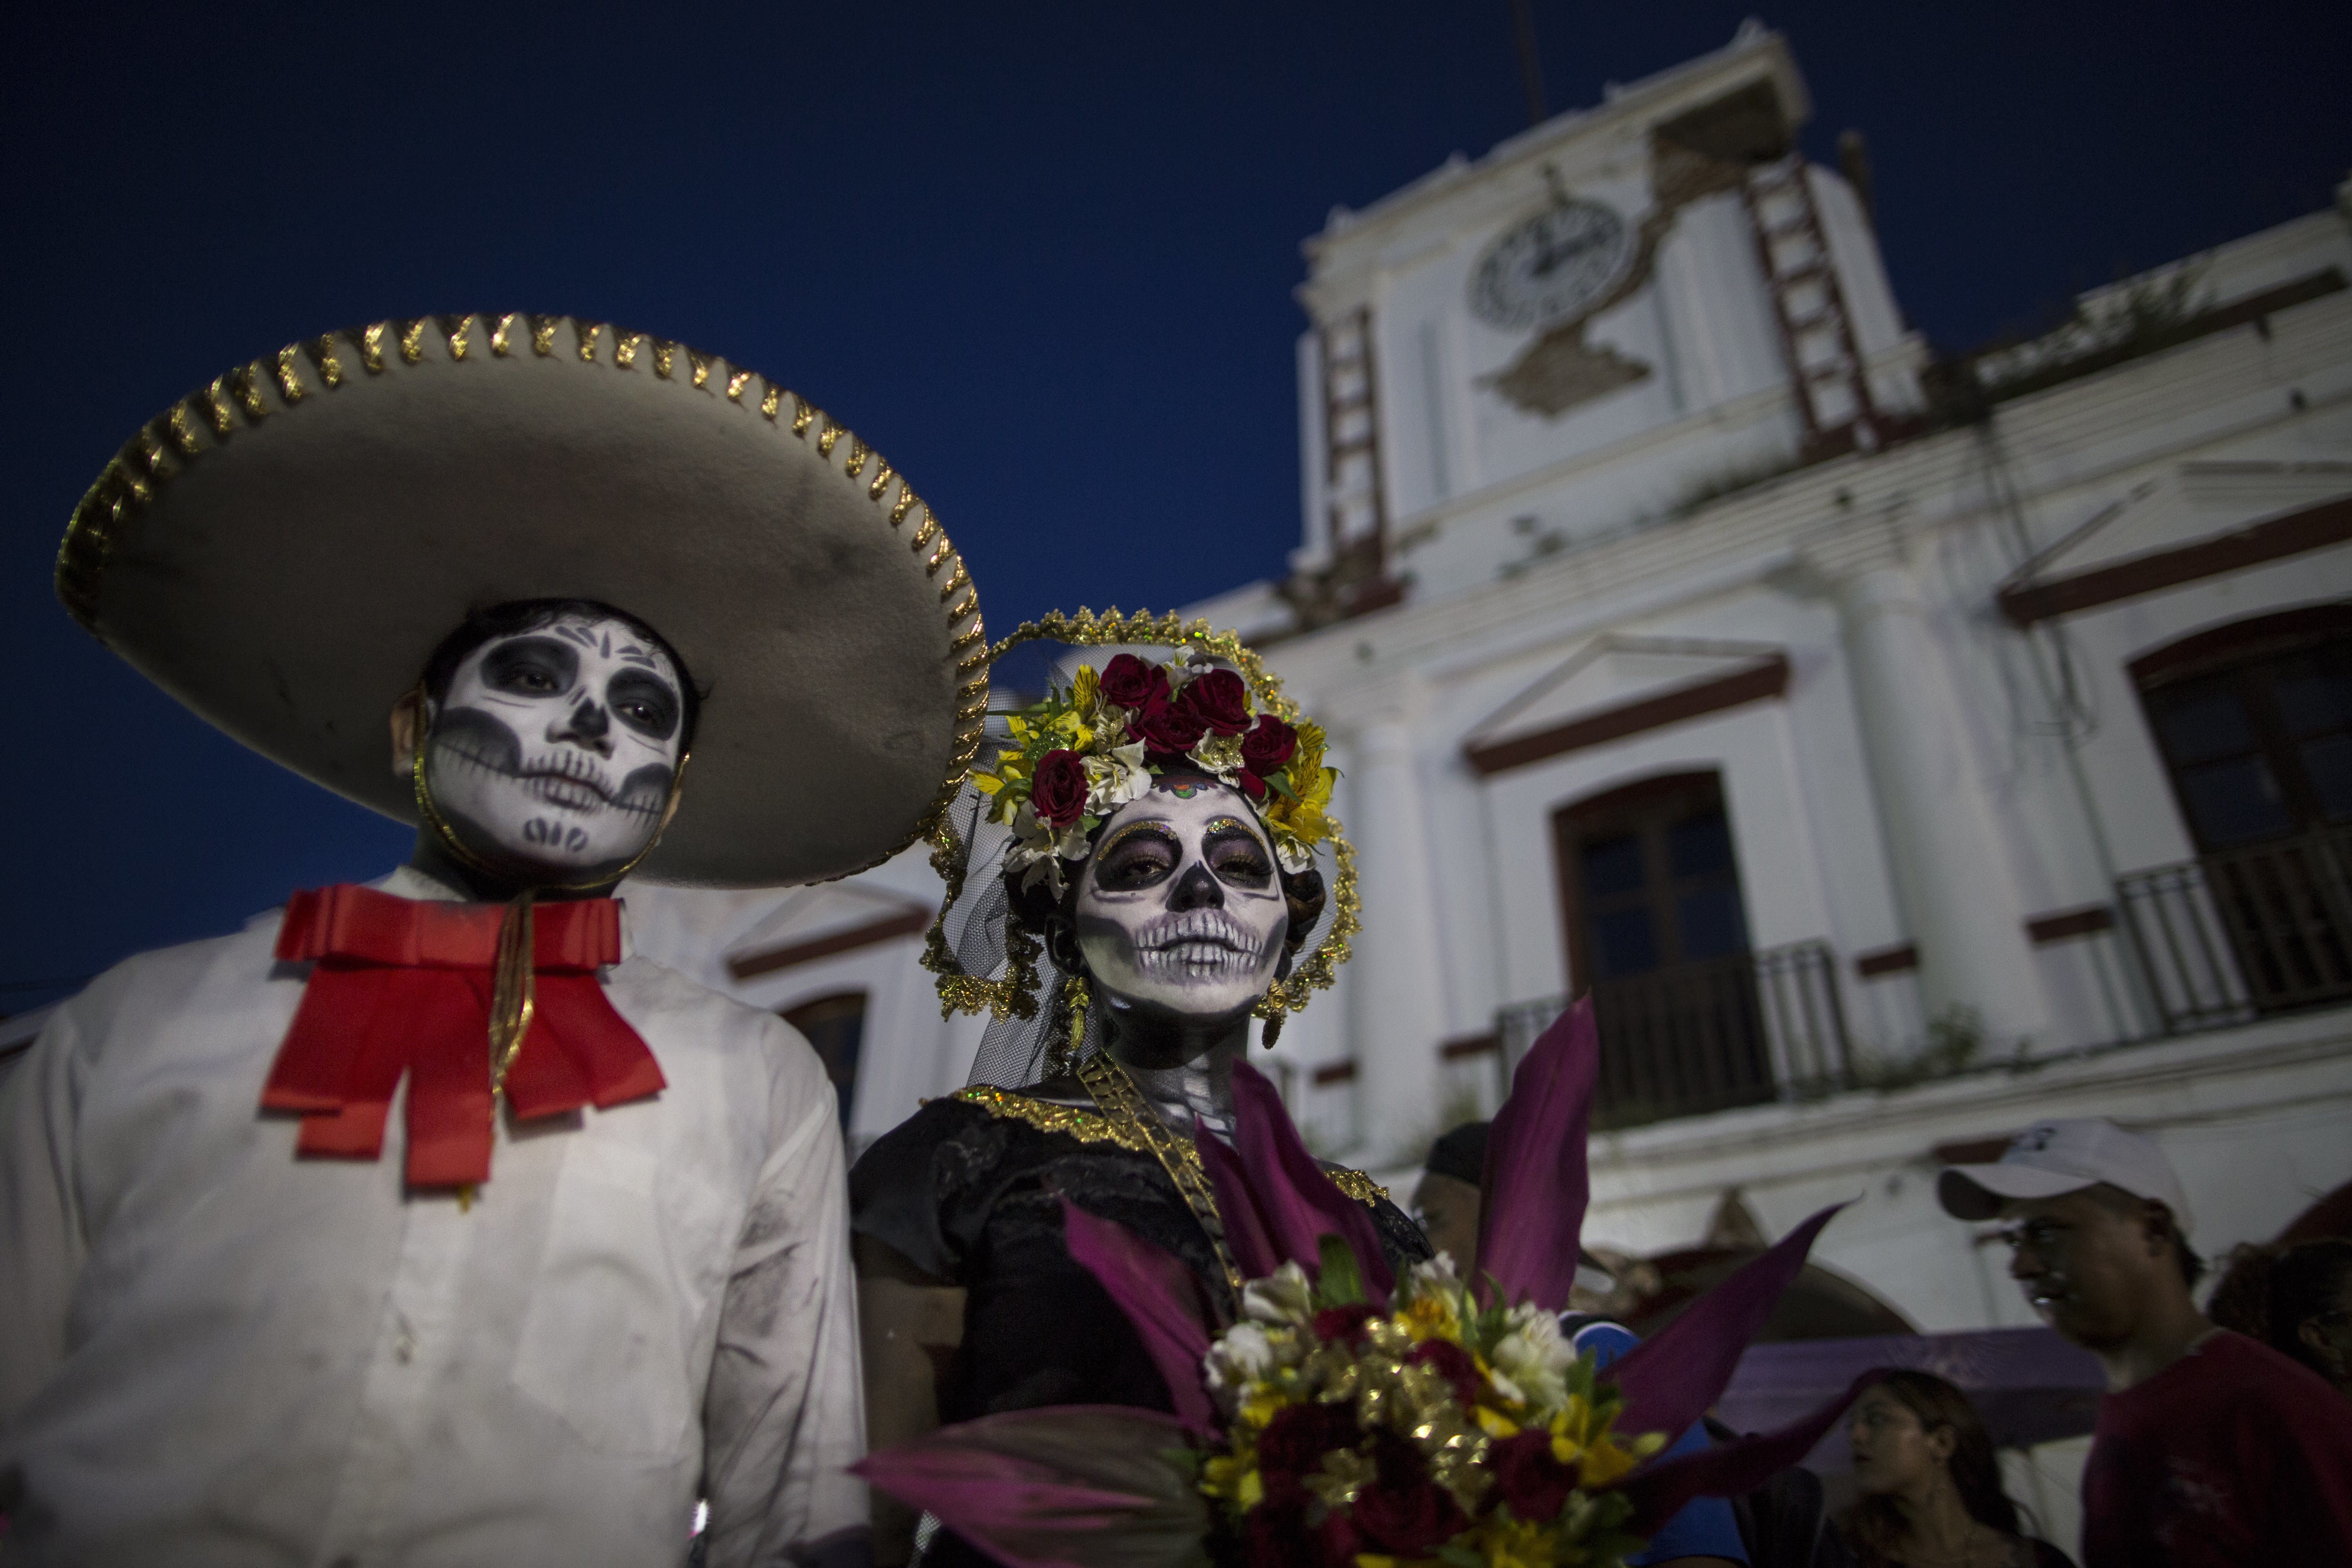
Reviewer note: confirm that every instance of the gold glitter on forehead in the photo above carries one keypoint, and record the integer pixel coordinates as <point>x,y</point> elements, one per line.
<point>1153,825</point>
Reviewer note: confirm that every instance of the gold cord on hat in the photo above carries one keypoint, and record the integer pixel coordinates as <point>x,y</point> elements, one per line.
<point>514,984</point>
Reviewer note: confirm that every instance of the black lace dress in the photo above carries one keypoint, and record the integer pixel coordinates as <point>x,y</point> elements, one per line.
<point>968,1190</point>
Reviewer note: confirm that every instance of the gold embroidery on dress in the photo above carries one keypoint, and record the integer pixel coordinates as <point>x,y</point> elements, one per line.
<point>1124,1104</point>
<point>1085,1126</point>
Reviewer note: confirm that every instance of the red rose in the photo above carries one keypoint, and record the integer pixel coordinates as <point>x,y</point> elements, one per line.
<point>1266,747</point>
<point>1403,1511</point>
<point>1129,682</point>
<point>1299,1437</point>
<point>1528,1477</point>
<point>1336,1541</point>
<point>1453,1364</point>
<point>1057,793</point>
<point>1252,785</point>
<point>1169,729</point>
<point>1220,699</point>
<point>1345,1324</point>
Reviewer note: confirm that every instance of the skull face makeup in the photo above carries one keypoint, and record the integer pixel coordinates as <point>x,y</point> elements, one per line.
<point>1179,909</point>
<point>553,752</point>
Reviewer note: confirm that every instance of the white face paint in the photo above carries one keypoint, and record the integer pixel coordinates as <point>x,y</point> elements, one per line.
<point>554,749</point>
<point>1180,907</point>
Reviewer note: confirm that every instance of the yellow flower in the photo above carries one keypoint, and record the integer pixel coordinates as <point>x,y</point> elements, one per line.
<point>1516,1543</point>
<point>1260,1405</point>
<point>1085,688</point>
<point>1307,818</point>
<point>1234,1479</point>
<point>1430,1317</point>
<point>1495,1424</point>
<point>1603,1463</point>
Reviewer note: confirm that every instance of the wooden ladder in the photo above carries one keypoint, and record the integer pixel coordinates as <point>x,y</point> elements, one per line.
<point>1833,386</point>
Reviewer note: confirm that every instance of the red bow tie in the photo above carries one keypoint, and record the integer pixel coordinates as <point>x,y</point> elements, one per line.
<point>404,986</point>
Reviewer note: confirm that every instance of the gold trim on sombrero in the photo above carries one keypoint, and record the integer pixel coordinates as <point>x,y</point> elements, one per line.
<point>1010,996</point>
<point>213,414</point>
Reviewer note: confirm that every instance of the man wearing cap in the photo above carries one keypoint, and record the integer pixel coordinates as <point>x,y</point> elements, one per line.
<point>498,576</point>
<point>1448,1203</point>
<point>2211,1448</point>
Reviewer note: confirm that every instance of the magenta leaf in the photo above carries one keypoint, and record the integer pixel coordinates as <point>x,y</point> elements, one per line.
<point>1253,1245</point>
<point>1300,1204</point>
<point>1159,1296</point>
<point>1730,1469</point>
<point>1536,1185</point>
<point>1669,1380</point>
<point>1073,1485</point>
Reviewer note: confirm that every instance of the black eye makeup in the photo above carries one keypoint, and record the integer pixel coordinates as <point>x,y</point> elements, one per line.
<point>530,667</point>
<point>1236,856</point>
<point>644,702</point>
<point>1139,857</point>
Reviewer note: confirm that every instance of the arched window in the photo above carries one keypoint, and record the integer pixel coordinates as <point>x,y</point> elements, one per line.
<point>836,1025</point>
<point>1658,934</point>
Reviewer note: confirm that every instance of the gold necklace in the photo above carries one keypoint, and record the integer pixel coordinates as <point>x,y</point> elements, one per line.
<point>1123,1103</point>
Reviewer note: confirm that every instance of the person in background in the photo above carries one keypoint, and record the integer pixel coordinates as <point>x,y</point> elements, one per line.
<point>2297,1300</point>
<point>2211,1447</point>
<point>1447,1204</point>
<point>1930,1487</point>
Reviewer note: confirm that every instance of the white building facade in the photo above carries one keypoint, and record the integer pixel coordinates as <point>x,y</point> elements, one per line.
<point>1899,754</point>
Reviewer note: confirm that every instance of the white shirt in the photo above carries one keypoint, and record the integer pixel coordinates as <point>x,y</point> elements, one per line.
<point>212,1352</point>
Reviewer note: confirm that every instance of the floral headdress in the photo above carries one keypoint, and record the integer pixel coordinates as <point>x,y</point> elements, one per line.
<point>1088,748</point>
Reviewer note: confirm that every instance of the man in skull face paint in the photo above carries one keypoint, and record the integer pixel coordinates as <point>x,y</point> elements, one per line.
<point>555,734</point>
<point>422,1222</point>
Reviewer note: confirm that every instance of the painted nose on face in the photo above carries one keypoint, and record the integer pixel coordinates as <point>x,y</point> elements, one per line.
<point>587,726</point>
<point>1196,890</point>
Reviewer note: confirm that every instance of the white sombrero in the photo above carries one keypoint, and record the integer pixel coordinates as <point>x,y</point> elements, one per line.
<point>283,549</point>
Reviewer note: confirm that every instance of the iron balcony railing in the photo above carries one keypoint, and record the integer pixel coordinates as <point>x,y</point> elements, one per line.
<point>2243,933</point>
<point>1695,1037</point>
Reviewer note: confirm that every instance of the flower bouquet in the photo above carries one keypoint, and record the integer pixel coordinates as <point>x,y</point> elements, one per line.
<point>1348,1419</point>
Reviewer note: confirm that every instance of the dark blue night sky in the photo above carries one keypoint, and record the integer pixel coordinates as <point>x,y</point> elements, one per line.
<point>1041,256</point>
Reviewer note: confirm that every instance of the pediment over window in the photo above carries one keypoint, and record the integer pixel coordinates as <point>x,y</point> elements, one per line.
<point>1619,685</point>
<point>821,921</point>
<point>2201,520</point>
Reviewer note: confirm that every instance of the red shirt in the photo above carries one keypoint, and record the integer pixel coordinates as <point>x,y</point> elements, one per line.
<point>2233,1455</point>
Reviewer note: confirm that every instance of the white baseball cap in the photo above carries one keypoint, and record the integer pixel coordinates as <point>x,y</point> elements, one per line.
<point>2065,1156</point>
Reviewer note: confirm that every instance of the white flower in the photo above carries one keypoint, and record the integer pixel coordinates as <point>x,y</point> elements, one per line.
<point>1295,857</point>
<point>1531,1360</point>
<point>1281,1297</point>
<point>1037,849</point>
<point>1241,1355</point>
<point>1435,1278</point>
<point>1116,777</point>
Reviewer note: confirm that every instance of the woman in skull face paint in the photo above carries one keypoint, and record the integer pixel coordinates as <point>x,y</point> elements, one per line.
<point>1174,909</point>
